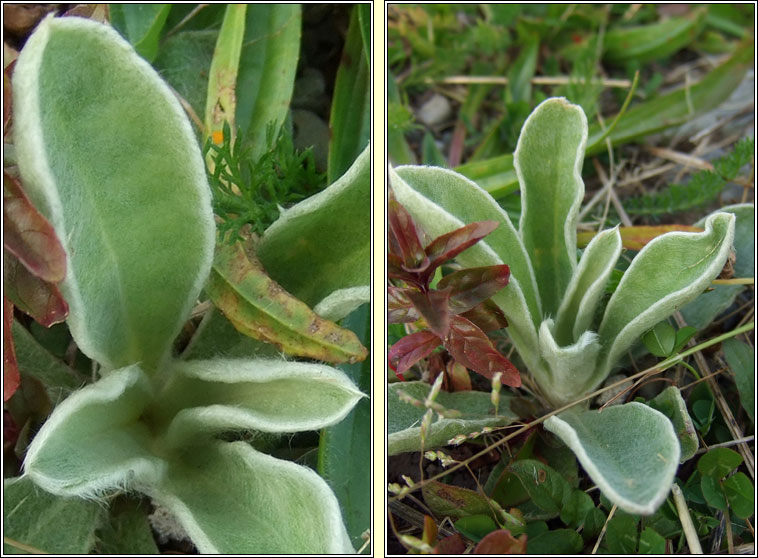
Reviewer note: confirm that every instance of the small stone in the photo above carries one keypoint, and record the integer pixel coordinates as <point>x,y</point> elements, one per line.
<point>434,111</point>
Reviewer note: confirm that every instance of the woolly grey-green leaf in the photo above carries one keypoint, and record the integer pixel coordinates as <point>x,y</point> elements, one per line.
<point>93,442</point>
<point>268,395</point>
<point>107,154</point>
<point>670,271</point>
<point>548,162</point>
<point>630,451</point>
<point>323,243</point>
<point>232,499</point>
<point>404,420</point>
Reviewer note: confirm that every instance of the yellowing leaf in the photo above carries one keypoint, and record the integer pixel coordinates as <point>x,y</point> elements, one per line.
<point>259,307</point>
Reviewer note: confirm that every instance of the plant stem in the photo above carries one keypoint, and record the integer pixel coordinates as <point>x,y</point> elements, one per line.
<point>684,517</point>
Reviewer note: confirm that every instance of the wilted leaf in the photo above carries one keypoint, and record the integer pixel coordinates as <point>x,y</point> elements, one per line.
<point>11,377</point>
<point>29,236</point>
<point>430,530</point>
<point>635,238</point>
<point>453,501</point>
<point>42,301</point>
<point>471,287</point>
<point>473,349</point>
<point>258,307</point>
<point>501,542</point>
<point>412,348</point>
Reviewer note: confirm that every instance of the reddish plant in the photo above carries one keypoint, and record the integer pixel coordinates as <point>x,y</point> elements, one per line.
<point>458,312</point>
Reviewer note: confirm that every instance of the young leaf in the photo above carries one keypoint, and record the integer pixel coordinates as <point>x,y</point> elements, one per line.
<point>134,178</point>
<point>447,246</point>
<point>718,462</point>
<point>548,162</point>
<point>405,235</point>
<point>740,495</point>
<point>473,286</point>
<point>412,348</point>
<point>433,307</point>
<point>260,308</point>
<point>473,349</point>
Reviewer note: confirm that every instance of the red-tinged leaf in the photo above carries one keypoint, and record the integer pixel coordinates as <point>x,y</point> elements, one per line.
<point>433,307</point>
<point>406,237</point>
<point>29,236</point>
<point>399,307</point>
<point>450,545</point>
<point>459,377</point>
<point>487,316</point>
<point>395,271</point>
<point>447,246</point>
<point>470,346</point>
<point>429,534</point>
<point>470,287</point>
<point>11,377</point>
<point>410,349</point>
<point>501,542</point>
<point>41,300</point>
<point>7,97</point>
<point>635,238</point>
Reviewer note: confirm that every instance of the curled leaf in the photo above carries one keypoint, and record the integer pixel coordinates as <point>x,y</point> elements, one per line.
<point>258,307</point>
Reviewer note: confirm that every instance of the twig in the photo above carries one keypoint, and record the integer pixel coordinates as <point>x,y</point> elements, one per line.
<point>657,369</point>
<point>726,444</point>
<point>539,80</point>
<point>684,517</point>
<point>722,405</point>
<point>22,546</point>
<point>602,531</point>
